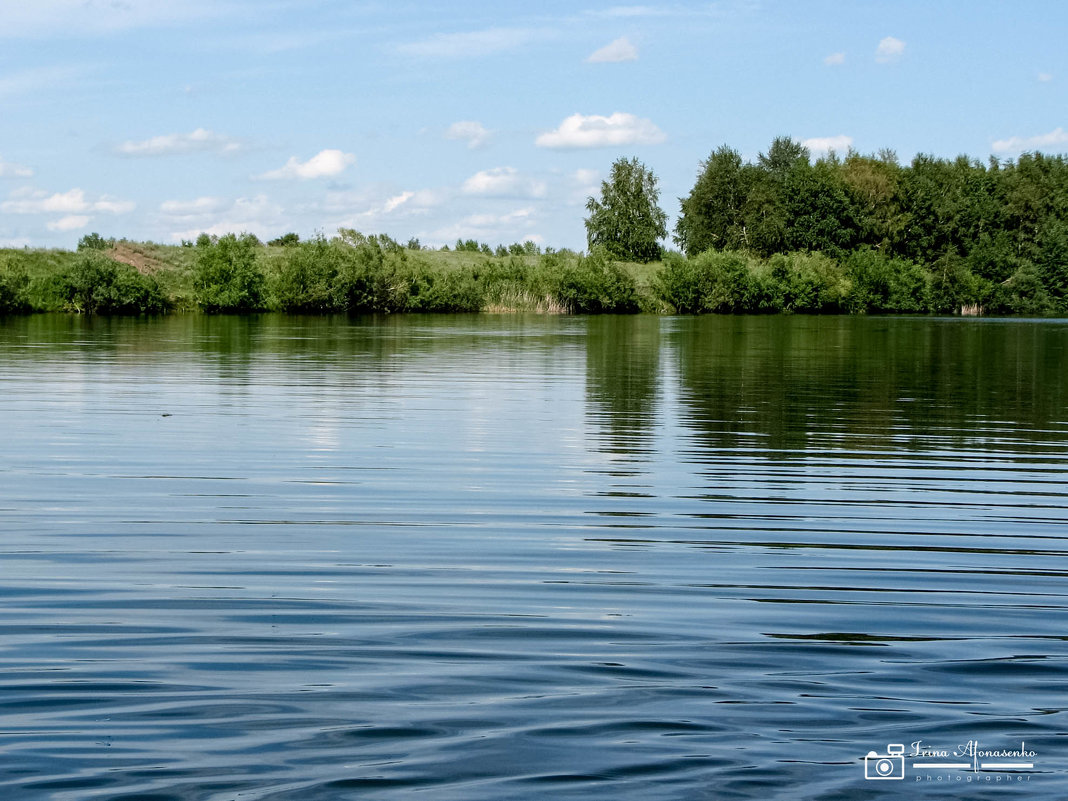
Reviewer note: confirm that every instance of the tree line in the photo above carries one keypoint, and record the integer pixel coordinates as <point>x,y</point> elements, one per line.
<point>961,233</point>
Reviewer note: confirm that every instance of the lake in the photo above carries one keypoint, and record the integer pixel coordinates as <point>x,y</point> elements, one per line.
<point>517,557</point>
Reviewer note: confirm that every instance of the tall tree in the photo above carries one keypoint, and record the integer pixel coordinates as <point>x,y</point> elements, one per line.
<point>627,221</point>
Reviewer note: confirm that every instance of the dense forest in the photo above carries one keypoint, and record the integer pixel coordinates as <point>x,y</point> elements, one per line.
<point>859,234</point>
<point>936,235</point>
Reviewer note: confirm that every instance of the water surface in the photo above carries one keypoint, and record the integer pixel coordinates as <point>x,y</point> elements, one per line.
<point>511,557</point>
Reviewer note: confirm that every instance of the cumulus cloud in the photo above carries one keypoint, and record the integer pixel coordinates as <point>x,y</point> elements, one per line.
<point>191,208</point>
<point>834,59</point>
<point>499,227</point>
<point>819,145</point>
<point>889,49</point>
<point>324,164</point>
<point>1058,137</point>
<point>69,223</point>
<point>255,215</point>
<point>10,170</point>
<point>474,133</point>
<point>596,131</point>
<point>199,141</point>
<point>397,201</point>
<point>503,182</point>
<point>619,50</point>
<point>34,201</point>
<point>469,44</point>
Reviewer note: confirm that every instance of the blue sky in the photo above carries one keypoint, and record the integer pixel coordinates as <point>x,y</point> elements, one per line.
<point>159,119</point>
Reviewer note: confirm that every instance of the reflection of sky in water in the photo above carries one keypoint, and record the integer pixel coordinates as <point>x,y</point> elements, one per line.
<point>476,556</point>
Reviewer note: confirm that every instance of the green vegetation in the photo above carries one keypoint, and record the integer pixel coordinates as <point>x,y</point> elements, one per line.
<point>936,236</point>
<point>859,235</point>
<point>626,221</point>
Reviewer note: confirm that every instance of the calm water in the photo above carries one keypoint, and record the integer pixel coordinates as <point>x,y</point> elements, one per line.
<point>531,557</point>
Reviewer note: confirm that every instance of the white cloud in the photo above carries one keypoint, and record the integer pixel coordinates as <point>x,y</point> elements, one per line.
<point>834,59</point>
<point>33,201</point>
<point>255,215</point>
<point>1045,77</point>
<point>469,44</point>
<point>474,133</point>
<point>586,177</point>
<point>324,164</point>
<point>889,49</point>
<point>1058,137</point>
<point>487,227</point>
<point>818,145</point>
<point>503,182</point>
<point>397,201</point>
<point>11,170</point>
<point>15,242</point>
<point>199,141</point>
<point>618,50</point>
<point>190,208</point>
<point>597,131</point>
<point>70,223</point>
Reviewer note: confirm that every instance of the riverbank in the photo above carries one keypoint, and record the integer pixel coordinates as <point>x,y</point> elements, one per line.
<point>354,273</point>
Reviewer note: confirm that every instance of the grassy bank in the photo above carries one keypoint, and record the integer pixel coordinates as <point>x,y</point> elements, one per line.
<point>355,273</point>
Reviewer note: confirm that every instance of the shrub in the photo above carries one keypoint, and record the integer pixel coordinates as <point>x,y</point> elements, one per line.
<point>426,290</point>
<point>13,297</point>
<point>94,241</point>
<point>305,277</point>
<point>227,275</point>
<point>367,279</point>
<point>590,285</point>
<point>882,284</point>
<point>95,284</point>
<point>807,283</point>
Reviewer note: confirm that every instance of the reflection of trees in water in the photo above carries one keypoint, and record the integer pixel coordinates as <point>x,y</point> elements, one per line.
<point>786,383</point>
<point>622,373</point>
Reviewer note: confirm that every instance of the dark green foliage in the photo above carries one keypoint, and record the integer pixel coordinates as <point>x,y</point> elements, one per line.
<point>428,291</point>
<point>626,221</point>
<point>228,276</point>
<point>95,284</point>
<point>971,227</point>
<point>368,279</point>
<point>807,283</point>
<point>13,292</point>
<point>305,279</point>
<point>94,241</point>
<point>714,281</point>
<point>285,240</point>
<point>882,284</point>
<point>591,285</point>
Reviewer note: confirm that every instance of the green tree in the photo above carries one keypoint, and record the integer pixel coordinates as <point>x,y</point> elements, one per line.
<point>627,221</point>
<point>228,277</point>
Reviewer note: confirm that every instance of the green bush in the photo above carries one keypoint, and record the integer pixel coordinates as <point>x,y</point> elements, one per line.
<point>590,285</point>
<point>227,276</point>
<point>882,284</point>
<point>427,290</point>
<point>13,294</point>
<point>306,276</point>
<point>713,281</point>
<point>368,278</point>
<point>94,241</point>
<point>95,284</point>
<point>808,283</point>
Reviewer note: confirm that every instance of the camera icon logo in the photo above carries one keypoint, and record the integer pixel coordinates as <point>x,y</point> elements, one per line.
<point>890,765</point>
